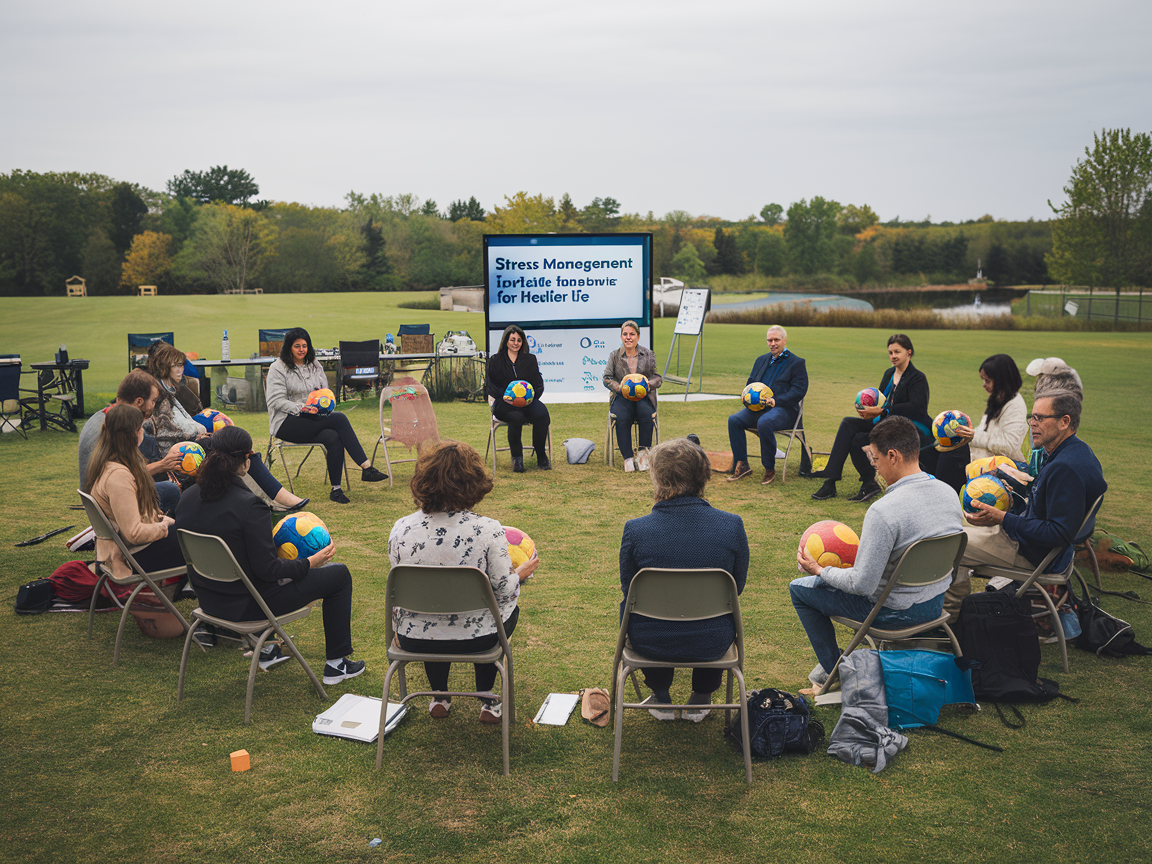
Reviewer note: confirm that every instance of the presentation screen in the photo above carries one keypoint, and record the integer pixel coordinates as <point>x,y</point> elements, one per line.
<point>570,293</point>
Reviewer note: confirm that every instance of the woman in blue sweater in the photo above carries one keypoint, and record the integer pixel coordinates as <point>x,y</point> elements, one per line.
<point>682,531</point>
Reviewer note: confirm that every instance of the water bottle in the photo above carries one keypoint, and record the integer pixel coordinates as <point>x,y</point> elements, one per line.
<point>225,350</point>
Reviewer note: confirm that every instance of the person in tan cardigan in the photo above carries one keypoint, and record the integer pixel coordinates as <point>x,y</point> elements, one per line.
<point>126,494</point>
<point>632,358</point>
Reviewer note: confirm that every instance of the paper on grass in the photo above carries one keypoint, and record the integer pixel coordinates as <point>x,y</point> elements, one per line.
<point>557,708</point>
<point>357,718</point>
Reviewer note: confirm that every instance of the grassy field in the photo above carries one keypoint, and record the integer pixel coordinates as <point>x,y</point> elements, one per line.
<point>104,764</point>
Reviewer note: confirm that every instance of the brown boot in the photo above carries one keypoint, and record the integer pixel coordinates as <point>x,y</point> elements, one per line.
<point>769,476</point>
<point>740,471</point>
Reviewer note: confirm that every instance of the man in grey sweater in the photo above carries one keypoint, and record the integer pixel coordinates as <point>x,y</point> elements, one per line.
<point>916,506</point>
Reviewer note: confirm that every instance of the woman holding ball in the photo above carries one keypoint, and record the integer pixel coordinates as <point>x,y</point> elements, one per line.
<point>220,504</point>
<point>632,358</point>
<point>291,379</point>
<point>513,361</point>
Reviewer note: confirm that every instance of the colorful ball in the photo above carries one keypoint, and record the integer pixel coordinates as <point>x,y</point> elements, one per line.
<point>870,397</point>
<point>987,490</point>
<point>323,400</point>
<point>988,465</point>
<point>832,544</point>
<point>521,547</point>
<point>191,457</point>
<point>756,395</point>
<point>300,535</point>
<point>212,420</point>
<point>634,387</point>
<point>519,394</point>
<point>944,429</point>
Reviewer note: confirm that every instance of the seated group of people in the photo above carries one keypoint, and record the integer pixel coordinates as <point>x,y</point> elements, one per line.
<point>450,480</point>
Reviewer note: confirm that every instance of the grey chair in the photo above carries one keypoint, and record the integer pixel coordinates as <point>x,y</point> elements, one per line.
<point>610,434</point>
<point>796,432</point>
<point>679,595</point>
<point>926,562</point>
<point>211,558</point>
<point>278,446</point>
<point>494,449</point>
<point>1038,578</point>
<point>140,578</point>
<point>443,591</point>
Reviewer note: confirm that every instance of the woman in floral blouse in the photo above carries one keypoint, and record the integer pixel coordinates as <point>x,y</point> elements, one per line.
<point>449,481</point>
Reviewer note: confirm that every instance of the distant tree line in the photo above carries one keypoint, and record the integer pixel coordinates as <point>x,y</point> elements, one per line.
<point>209,231</point>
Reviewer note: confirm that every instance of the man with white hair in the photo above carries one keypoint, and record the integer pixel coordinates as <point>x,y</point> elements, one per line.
<point>785,374</point>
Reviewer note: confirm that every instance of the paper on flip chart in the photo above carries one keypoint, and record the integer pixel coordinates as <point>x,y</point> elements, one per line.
<point>557,708</point>
<point>357,718</point>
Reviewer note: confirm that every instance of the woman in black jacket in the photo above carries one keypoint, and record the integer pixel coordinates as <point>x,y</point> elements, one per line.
<point>220,504</point>
<point>512,361</point>
<point>905,392</point>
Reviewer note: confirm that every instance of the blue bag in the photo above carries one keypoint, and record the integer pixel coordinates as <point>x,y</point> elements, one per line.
<point>918,683</point>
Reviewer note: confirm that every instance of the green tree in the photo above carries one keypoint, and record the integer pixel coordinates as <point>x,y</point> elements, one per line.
<point>603,214</point>
<point>221,184</point>
<point>379,273</point>
<point>771,254</point>
<point>810,234</point>
<point>229,246</point>
<point>1103,234</point>
<point>524,214</point>
<point>126,212</point>
<point>728,259</point>
<point>772,214</point>
<point>687,264</point>
<point>430,209</point>
<point>471,209</point>
<point>569,215</point>
<point>854,220</point>
<point>149,260</point>
<point>100,263</point>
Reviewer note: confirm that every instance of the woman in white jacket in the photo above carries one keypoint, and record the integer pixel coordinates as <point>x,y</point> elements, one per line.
<point>1001,429</point>
<point>291,379</point>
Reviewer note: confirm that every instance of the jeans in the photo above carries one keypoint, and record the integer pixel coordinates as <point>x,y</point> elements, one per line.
<point>628,412</point>
<point>333,431</point>
<point>766,423</point>
<point>169,495</point>
<point>816,601</point>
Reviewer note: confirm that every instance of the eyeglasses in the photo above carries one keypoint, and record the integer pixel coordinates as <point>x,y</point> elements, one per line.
<point>1036,418</point>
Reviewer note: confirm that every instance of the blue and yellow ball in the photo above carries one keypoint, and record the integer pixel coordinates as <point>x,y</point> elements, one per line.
<point>212,420</point>
<point>755,396</point>
<point>870,397</point>
<point>323,400</point>
<point>987,490</point>
<point>634,387</point>
<point>989,464</point>
<point>944,430</point>
<point>519,394</point>
<point>191,457</point>
<point>300,535</point>
<point>831,543</point>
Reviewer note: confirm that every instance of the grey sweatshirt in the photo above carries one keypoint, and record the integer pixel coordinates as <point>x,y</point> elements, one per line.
<point>915,507</point>
<point>287,389</point>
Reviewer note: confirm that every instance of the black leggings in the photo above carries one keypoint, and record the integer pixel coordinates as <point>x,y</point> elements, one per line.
<point>333,431</point>
<point>703,680</point>
<point>852,438</point>
<point>536,413</point>
<point>950,466</point>
<point>438,672</point>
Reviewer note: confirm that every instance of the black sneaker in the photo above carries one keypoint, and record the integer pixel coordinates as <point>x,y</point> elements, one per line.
<point>826,491</point>
<point>694,438</point>
<point>867,492</point>
<point>205,636</point>
<point>270,655</point>
<point>339,497</point>
<point>542,463</point>
<point>371,475</point>
<point>337,671</point>
<point>517,464</point>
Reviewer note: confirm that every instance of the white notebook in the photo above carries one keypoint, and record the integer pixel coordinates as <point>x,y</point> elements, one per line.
<point>357,718</point>
<point>557,708</point>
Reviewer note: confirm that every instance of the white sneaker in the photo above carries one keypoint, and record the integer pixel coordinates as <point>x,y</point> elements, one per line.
<point>642,460</point>
<point>697,714</point>
<point>629,466</point>
<point>659,713</point>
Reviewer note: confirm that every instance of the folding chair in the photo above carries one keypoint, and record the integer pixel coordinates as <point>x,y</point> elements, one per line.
<point>359,367</point>
<point>924,563</point>
<point>211,558</point>
<point>797,431</point>
<point>140,578</point>
<point>499,424</point>
<point>679,595</point>
<point>610,443</point>
<point>1039,579</point>
<point>139,343</point>
<point>444,591</point>
<point>11,404</point>
<point>279,446</point>
<point>387,396</point>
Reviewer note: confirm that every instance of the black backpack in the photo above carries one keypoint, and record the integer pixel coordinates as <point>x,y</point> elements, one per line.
<point>778,722</point>
<point>1000,644</point>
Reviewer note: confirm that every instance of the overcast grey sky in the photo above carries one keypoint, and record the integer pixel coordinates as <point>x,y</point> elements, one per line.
<point>915,108</point>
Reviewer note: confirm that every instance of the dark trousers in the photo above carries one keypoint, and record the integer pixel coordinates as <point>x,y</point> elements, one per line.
<point>852,438</point>
<point>628,412</point>
<point>333,431</point>
<point>331,583</point>
<point>438,672</point>
<point>161,554</point>
<point>950,466</point>
<point>535,413</point>
<point>703,680</point>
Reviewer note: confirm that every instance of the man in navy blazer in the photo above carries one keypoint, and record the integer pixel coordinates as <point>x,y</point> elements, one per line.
<point>785,373</point>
